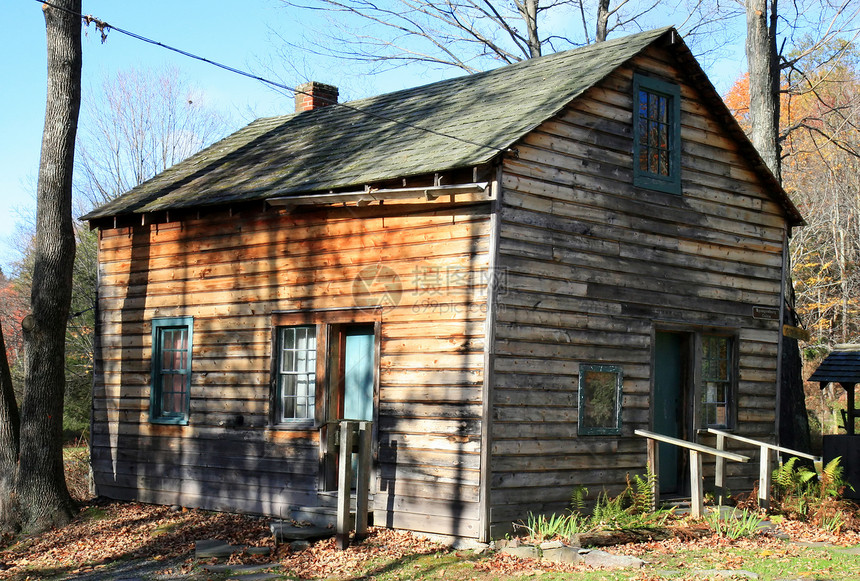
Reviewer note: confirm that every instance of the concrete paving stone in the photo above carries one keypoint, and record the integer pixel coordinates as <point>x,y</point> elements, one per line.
<point>814,544</point>
<point>287,532</point>
<point>208,548</point>
<point>224,568</point>
<point>523,552</point>
<point>726,573</point>
<point>597,558</point>
<point>562,555</point>
<point>849,550</point>
<point>257,577</point>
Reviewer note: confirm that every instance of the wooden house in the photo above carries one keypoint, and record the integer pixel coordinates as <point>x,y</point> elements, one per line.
<point>507,272</point>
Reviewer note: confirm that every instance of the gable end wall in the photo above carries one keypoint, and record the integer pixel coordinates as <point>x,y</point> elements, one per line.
<point>593,265</point>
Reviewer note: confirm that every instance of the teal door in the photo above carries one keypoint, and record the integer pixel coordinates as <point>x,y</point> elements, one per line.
<point>670,355</point>
<point>359,366</point>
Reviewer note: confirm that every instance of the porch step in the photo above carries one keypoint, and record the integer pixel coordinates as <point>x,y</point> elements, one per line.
<point>286,531</point>
<point>319,516</point>
<point>325,513</point>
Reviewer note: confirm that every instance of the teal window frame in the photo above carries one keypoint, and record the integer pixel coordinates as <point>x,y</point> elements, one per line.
<point>670,182</point>
<point>160,328</point>
<point>584,425</point>
<point>295,362</point>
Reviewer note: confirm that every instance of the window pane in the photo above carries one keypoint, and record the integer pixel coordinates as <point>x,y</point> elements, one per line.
<point>663,169</point>
<point>297,373</point>
<point>716,372</point>
<point>171,369</point>
<point>599,405</point>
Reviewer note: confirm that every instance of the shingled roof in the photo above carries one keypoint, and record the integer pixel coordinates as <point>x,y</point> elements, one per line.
<point>841,366</point>
<point>472,120</point>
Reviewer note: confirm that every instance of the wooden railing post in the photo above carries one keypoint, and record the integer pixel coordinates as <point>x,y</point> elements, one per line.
<point>365,435</point>
<point>697,496</point>
<point>767,452</point>
<point>654,469</point>
<point>764,477</point>
<point>344,483</point>
<point>720,471</point>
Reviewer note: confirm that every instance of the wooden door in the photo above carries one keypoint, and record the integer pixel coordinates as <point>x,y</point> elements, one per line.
<point>353,368</point>
<point>669,408</point>
<point>359,369</point>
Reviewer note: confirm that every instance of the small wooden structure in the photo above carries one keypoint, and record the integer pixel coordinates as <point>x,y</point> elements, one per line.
<point>842,366</point>
<point>508,273</point>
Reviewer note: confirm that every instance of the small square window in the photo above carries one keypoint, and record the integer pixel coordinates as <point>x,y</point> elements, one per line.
<point>599,399</point>
<point>656,135</point>
<point>170,387</point>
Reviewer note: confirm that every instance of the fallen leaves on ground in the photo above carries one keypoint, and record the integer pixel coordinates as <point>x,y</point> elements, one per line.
<point>102,534</point>
<point>105,532</point>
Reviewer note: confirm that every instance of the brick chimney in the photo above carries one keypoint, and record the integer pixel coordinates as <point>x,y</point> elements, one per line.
<point>314,95</point>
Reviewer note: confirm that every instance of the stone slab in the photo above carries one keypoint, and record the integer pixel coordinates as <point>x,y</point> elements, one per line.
<point>208,548</point>
<point>288,532</point>
<point>522,552</point>
<point>562,554</point>
<point>725,573</point>
<point>596,558</point>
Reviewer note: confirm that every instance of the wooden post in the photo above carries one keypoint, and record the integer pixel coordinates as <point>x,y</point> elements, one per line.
<point>344,483</point>
<point>720,471</point>
<point>365,434</point>
<point>654,469</point>
<point>697,497</point>
<point>764,477</point>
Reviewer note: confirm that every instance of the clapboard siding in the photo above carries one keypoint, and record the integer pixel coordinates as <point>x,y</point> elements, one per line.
<point>231,271</point>
<point>594,265</point>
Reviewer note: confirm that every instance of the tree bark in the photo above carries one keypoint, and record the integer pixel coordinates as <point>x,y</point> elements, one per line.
<point>602,20</point>
<point>529,13</point>
<point>9,443</point>
<point>763,61</point>
<point>43,498</point>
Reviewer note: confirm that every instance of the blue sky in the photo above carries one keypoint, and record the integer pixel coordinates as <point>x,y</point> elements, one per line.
<point>234,32</point>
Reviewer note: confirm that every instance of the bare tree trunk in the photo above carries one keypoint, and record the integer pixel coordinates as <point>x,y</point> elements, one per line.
<point>764,70</point>
<point>43,498</point>
<point>529,12</point>
<point>763,62</point>
<point>602,20</point>
<point>9,431</point>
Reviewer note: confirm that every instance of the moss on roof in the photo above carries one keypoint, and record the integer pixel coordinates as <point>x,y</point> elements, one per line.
<point>471,120</point>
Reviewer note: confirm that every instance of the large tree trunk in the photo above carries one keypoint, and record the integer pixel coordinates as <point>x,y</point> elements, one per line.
<point>602,20</point>
<point>9,431</point>
<point>42,495</point>
<point>528,10</point>
<point>763,61</point>
<point>764,69</point>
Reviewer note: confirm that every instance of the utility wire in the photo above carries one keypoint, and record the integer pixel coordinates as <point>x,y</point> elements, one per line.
<point>103,27</point>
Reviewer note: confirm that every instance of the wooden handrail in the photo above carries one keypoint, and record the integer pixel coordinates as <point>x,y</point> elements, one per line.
<point>764,473</point>
<point>697,496</point>
<point>774,447</point>
<point>692,446</point>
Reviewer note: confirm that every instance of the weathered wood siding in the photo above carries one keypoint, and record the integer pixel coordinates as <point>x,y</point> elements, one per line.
<point>593,264</point>
<point>231,271</point>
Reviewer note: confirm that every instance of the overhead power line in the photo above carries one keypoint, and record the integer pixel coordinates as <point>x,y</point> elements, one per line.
<point>104,27</point>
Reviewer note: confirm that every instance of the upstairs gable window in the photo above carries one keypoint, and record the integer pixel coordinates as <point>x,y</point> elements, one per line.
<point>656,135</point>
